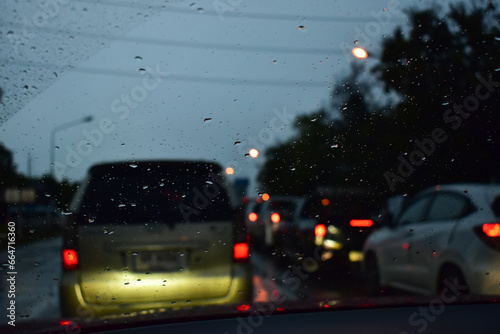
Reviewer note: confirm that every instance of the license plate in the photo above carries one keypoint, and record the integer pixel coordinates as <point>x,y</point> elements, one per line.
<point>159,261</point>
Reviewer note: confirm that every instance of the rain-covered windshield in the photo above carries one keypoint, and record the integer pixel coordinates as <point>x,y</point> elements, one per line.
<point>348,120</point>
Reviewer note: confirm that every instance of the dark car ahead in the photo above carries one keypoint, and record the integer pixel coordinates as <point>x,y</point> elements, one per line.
<point>153,235</point>
<point>331,230</point>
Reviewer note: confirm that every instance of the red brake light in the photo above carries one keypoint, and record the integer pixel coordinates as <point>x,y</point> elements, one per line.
<point>70,259</point>
<point>320,230</point>
<point>489,233</point>
<point>275,217</point>
<point>252,217</point>
<point>361,222</point>
<point>492,230</point>
<point>243,307</point>
<point>240,252</point>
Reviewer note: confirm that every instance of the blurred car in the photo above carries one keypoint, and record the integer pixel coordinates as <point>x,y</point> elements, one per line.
<point>151,235</point>
<point>253,219</point>
<point>35,219</point>
<point>445,235</point>
<point>344,221</point>
<point>273,218</point>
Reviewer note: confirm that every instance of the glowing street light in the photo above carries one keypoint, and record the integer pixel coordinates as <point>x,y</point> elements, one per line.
<point>265,197</point>
<point>359,53</point>
<point>229,170</point>
<point>253,153</point>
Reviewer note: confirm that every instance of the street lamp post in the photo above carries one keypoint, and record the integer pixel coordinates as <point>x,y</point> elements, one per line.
<point>58,128</point>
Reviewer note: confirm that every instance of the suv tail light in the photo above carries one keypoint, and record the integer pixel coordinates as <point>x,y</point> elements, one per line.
<point>361,222</point>
<point>490,234</point>
<point>70,259</point>
<point>240,252</point>
<point>320,230</point>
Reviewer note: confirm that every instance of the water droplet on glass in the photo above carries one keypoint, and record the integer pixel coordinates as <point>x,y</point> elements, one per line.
<point>145,187</point>
<point>237,142</point>
<point>32,230</point>
<point>301,27</point>
<point>200,10</point>
<point>126,283</point>
<point>132,165</point>
<point>142,70</point>
<point>121,205</point>
<point>138,58</point>
<point>334,146</point>
<point>206,120</point>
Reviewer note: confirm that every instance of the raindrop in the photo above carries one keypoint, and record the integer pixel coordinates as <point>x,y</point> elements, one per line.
<point>206,120</point>
<point>334,146</point>
<point>355,41</point>
<point>142,70</point>
<point>314,119</point>
<point>192,4</point>
<point>67,213</point>
<point>148,273</point>
<point>209,182</point>
<point>145,187</point>
<point>274,61</point>
<point>138,58</point>
<point>134,253</point>
<point>292,169</point>
<point>121,205</point>
<point>301,27</point>
<point>132,165</point>
<point>237,142</point>
<point>47,195</point>
<point>32,230</point>
<point>181,268</point>
<point>200,10</point>
<point>126,283</point>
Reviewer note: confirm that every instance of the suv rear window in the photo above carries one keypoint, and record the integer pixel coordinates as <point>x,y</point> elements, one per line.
<point>162,194</point>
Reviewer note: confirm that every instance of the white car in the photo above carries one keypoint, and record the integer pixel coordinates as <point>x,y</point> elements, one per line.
<point>447,235</point>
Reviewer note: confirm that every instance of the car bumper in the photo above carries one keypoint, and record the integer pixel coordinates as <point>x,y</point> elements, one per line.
<point>73,304</point>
